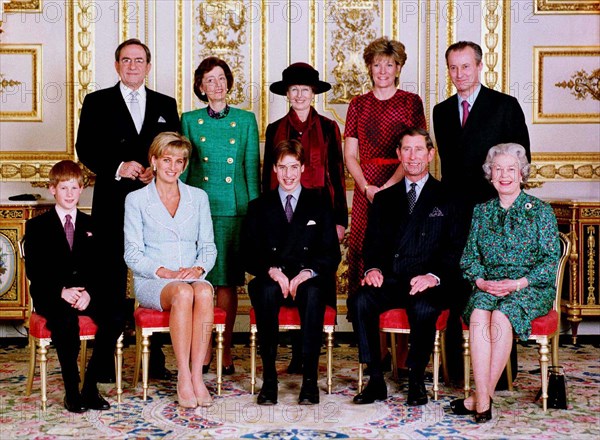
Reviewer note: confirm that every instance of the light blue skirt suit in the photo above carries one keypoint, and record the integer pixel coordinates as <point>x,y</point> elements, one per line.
<point>154,239</point>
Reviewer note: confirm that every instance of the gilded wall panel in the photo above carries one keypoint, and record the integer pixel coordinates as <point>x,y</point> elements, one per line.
<point>20,82</point>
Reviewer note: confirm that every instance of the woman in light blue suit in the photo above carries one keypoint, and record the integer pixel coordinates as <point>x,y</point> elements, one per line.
<point>169,246</point>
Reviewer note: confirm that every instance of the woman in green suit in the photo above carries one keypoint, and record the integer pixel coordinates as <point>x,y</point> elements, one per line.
<point>225,163</point>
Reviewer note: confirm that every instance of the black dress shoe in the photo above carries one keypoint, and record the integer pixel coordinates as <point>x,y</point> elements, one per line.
<point>458,407</point>
<point>485,416</point>
<point>228,370</point>
<point>309,392</point>
<point>375,390</point>
<point>74,404</point>
<point>268,393</point>
<point>295,366</point>
<point>93,400</point>
<point>416,393</point>
<point>161,374</point>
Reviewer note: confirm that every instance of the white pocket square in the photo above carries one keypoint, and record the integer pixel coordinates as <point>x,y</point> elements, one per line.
<point>436,212</point>
<point>311,222</point>
<point>161,119</point>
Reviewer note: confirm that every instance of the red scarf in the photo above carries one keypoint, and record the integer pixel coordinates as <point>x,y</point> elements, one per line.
<point>315,148</point>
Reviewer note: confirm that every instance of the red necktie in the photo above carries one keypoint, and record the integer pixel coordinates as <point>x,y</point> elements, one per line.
<point>69,230</point>
<point>465,106</point>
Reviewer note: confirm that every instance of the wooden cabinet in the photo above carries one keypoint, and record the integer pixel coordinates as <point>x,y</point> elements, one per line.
<point>581,291</point>
<point>14,298</point>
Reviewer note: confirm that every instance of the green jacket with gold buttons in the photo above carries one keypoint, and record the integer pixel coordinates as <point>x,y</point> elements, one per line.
<point>225,160</point>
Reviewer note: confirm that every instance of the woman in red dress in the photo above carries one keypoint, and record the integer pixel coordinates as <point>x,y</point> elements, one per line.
<point>373,123</point>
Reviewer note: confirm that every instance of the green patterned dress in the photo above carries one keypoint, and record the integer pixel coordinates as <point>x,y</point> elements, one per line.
<point>521,241</point>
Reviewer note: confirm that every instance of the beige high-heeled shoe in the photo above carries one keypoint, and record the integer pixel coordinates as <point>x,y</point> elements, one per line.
<point>190,402</point>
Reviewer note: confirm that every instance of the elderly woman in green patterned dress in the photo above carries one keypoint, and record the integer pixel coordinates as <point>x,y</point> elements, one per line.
<point>510,259</point>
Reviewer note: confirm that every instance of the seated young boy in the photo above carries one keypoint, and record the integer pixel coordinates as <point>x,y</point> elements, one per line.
<point>60,263</point>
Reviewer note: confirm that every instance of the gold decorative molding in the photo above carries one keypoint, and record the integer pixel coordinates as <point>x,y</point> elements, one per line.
<point>566,7</point>
<point>264,90</point>
<point>540,55</point>
<point>450,39</point>
<point>180,42</point>
<point>30,86</point>
<point>353,31</point>
<point>23,6</point>
<point>547,167</point>
<point>583,84</point>
<point>591,264</point>
<point>223,29</point>
<point>495,31</point>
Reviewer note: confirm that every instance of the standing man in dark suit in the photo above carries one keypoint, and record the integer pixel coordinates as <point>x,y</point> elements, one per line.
<point>466,126</point>
<point>116,128</point>
<point>61,262</point>
<point>411,252</point>
<point>290,244</point>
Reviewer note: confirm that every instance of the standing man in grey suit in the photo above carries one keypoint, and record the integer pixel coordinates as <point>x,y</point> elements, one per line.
<point>466,126</point>
<point>411,252</point>
<point>117,126</point>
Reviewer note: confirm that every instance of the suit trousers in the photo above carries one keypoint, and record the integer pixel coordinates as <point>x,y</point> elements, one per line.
<point>422,311</point>
<point>63,323</point>
<point>267,299</point>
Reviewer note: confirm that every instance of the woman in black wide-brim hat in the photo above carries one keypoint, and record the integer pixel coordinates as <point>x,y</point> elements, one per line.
<point>322,142</point>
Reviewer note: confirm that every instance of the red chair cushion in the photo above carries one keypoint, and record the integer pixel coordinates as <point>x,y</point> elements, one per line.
<point>38,329</point>
<point>149,318</point>
<point>545,325</point>
<point>398,319</point>
<point>290,316</point>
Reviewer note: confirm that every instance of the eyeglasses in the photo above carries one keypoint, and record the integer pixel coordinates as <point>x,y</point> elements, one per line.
<point>127,61</point>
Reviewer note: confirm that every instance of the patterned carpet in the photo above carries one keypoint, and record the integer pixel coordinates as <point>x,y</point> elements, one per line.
<point>235,414</point>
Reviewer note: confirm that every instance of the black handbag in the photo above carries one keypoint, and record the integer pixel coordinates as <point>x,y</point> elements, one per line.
<point>557,388</point>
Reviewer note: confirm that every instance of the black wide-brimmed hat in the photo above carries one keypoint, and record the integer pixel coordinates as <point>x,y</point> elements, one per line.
<point>300,74</point>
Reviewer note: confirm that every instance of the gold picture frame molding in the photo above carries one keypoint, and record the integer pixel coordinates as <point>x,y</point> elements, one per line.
<point>550,7</point>
<point>29,6</point>
<point>35,51</point>
<point>33,166</point>
<point>541,52</point>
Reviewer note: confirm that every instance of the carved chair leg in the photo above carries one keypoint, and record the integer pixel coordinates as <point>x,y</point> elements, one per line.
<point>329,361</point>
<point>360,377</point>
<point>466,363</point>
<point>82,359</point>
<point>119,368</point>
<point>219,350</point>
<point>138,356</point>
<point>544,359</point>
<point>436,365</point>
<point>145,365</point>
<point>43,351</point>
<point>252,359</point>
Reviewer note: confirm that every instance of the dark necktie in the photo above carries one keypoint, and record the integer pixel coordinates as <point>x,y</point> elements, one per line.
<point>412,197</point>
<point>465,106</point>
<point>69,230</point>
<point>289,212</point>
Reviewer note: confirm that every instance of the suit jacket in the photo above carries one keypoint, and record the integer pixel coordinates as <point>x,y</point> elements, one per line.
<point>225,160</point>
<point>404,245</point>
<point>494,118</point>
<point>153,238</point>
<point>51,265</point>
<point>107,136</point>
<point>309,241</point>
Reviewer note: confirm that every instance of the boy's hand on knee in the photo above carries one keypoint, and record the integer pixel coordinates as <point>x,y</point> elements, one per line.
<point>83,301</point>
<point>71,294</point>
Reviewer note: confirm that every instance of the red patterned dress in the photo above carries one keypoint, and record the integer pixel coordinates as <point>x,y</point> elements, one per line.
<point>377,125</point>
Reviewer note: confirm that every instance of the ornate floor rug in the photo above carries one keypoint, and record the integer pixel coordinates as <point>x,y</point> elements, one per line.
<point>236,415</point>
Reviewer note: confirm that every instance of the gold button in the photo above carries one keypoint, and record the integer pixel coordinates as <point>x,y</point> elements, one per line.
<point>206,159</point>
<point>230,160</point>
<point>228,179</point>
<point>200,121</point>
<point>206,178</point>
<point>233,124</point>
<point>202,139</point>
<point>232,141</point>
